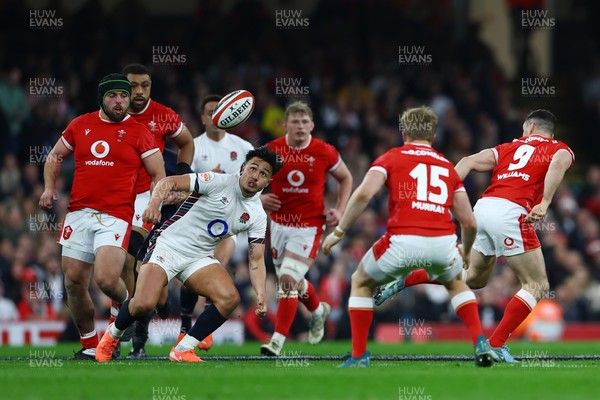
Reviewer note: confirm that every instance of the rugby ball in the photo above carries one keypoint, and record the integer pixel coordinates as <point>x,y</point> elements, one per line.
<point>233,109</point>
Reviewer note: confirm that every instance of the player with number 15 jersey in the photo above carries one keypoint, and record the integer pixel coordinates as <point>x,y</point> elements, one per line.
<point>421,183</point>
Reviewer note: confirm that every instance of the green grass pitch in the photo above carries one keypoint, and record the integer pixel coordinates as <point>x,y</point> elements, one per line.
<point>43,373</point>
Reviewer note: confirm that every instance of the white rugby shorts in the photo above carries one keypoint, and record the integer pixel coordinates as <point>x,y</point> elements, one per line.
<point>85,230</point>
<point>141,203</point>
<point>303,241</point>
<point>175,264</point>
<point>396,256</point>
<point>501,228</point>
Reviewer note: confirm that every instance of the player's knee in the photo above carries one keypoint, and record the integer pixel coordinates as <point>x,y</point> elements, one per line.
<point>74,284</point>
<point>538,289</point>
<point>291,274</point>
<point>74,289</point>
<point>228,301</point>
<point>475,282</point>
<point>287,284</point>
<point>143,306</point>
<point>106,282</point>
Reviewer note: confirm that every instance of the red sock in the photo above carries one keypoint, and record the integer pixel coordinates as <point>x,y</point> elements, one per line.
<point>286,312</point>
<point>417,277</point>
<point>361,316</point>
<point>517,309</point>
<point>469,313</point>
<point>309,297</point>
<point>90,340</point>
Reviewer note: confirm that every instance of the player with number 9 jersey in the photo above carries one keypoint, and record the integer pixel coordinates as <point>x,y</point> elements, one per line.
<point>521,168</point>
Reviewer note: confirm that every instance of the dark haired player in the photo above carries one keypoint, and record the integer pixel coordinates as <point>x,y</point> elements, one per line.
<point>184,248</point>
<point>109,148</point>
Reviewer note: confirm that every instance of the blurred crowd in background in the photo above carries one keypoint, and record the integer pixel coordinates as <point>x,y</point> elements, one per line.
<point>346,67</point>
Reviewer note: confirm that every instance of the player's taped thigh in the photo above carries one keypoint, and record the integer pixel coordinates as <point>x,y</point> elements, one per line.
<point>294,268</point>
<point>136,240</point>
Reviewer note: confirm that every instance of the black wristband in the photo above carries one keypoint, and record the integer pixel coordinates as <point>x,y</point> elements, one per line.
<point>183,168</point>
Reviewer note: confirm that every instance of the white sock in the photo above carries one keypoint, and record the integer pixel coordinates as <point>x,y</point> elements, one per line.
<point>115,332</point>
<point>279,338</point>
<point>186,344</point>
<point>462,298</point>
<point>89,335</point>
<point>318,311</point>
<point>527,298</point>
<point>90,352</point>
<point>365,303</point>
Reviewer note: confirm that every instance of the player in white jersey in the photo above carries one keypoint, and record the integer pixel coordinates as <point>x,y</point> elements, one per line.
<point>220,205</point>
<point>218,151</point>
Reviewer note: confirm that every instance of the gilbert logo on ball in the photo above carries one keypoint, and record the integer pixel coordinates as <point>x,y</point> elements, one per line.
<point>233,109</point>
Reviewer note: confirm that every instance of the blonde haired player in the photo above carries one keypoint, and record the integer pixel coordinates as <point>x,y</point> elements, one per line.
<point>297,209</point>
<point>420,231</point>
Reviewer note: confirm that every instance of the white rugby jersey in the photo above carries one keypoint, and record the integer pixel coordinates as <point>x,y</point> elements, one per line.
<point>230,152</point>
<point>215,210</point>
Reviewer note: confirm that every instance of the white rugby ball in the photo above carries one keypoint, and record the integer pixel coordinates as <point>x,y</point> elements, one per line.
<point>233,109</point>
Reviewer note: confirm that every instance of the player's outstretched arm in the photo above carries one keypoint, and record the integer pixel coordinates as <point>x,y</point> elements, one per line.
<point>461,210</point>
<point>373,182</point>
<point>344,178</point>
<point>483,161</point>
<point>155,166</point>
<point>258,275</point>
<point>161,192</point>
<point>51,171</point>
<point>185,144</point>
<point>561,161</point>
